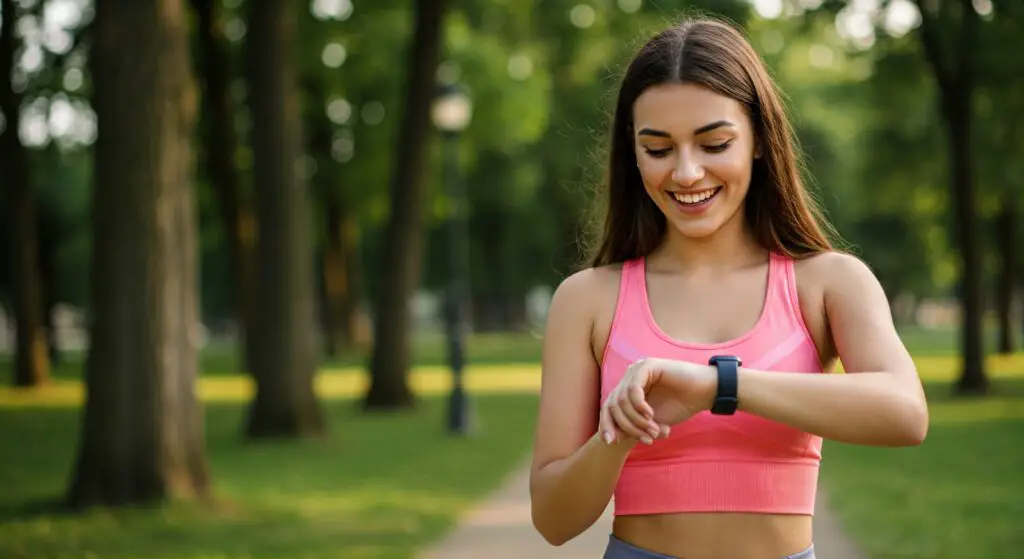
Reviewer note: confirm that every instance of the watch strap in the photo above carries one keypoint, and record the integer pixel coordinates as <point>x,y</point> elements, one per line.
<point>726,398</point>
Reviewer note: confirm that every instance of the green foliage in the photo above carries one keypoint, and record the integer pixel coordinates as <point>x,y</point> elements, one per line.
<point>543,78</point>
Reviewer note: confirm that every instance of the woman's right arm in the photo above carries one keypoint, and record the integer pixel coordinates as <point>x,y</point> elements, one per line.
<point>574,472</point>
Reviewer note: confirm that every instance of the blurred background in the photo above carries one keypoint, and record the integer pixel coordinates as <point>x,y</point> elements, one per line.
<point>278,271</point>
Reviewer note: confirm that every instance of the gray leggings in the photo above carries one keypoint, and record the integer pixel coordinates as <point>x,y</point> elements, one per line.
<point>618,549</point>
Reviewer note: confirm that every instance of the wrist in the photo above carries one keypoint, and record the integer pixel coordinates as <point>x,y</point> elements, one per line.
<point>709,383</point>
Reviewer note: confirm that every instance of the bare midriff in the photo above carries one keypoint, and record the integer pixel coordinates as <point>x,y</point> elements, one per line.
<point>717,535</point>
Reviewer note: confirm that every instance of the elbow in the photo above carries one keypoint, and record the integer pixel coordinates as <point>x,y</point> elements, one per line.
<point>915,424</point>
<point>549,530</point>
<point>556,540</point>
<point>547,522</point>
<point>553,532</point>
<point>919,430</point>
<point>555,527</point>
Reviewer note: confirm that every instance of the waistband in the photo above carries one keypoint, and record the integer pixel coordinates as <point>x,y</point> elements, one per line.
<point>780,488</point>
<point>618,549</point>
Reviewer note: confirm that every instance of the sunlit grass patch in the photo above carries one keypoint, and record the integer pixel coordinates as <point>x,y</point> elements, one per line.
<point>331,383</point>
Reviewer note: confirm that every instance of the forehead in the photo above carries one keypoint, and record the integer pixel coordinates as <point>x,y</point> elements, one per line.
<point>679,109</point>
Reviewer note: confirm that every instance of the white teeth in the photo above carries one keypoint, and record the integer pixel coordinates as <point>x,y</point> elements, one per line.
<point>694,198</point>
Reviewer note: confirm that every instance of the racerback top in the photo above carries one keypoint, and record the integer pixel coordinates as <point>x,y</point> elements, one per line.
<point>738,463</point>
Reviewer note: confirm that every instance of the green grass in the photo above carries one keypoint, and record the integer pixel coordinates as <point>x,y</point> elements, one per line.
<point>385,486</point>
<point>380,486</point>
<point>959,495</point>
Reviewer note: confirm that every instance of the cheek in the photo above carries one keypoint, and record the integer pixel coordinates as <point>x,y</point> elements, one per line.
<point>734,169</point>
<point>655,172</point>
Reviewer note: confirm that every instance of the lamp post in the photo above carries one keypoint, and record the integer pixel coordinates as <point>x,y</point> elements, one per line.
<point>451,114</point>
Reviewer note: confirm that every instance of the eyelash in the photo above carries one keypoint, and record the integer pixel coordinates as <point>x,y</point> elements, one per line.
<point>659,153</point>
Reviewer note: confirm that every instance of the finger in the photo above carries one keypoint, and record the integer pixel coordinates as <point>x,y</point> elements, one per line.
<point>610,433</point>
<point>664,431</point>
<point>606,426</point>
<point>634,404</point>
<point>624,424</point>
<point>638,398</point>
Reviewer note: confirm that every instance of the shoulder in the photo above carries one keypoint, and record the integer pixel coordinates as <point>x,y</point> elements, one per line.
<point>828,285</point>
<point>588,286</point>
<point>836,274</point>
<point>585,301</point>
<point>843,283</point>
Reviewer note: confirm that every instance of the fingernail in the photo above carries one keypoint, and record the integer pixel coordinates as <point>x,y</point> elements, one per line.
<point>647,440</point>
<point>608,438</point>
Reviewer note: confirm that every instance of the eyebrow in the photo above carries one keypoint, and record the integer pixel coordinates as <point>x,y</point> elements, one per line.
<point>702,130</point>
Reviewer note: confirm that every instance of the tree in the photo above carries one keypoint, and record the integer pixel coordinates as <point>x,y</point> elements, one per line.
<point>142,437</point>
<point>948,34</point>
<point>284,327</point>
<point>220,146</point>
<point>1000,102</point>
<point>401,259</point>
<point>32,364</point>
<point>1006,238</point>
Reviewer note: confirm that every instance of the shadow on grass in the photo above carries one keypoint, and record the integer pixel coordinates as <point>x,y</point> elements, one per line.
<point>998,388</point>
<point>28,510</point>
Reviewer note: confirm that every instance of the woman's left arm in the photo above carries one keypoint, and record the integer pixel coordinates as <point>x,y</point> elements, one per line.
<point>879,402</point>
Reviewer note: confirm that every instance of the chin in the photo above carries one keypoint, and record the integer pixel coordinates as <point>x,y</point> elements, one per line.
<point>696,231</point>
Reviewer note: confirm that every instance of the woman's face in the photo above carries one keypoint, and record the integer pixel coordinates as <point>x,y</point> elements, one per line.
<point>695,150</point>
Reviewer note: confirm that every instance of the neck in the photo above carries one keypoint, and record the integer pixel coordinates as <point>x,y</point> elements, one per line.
<point>733,244</point>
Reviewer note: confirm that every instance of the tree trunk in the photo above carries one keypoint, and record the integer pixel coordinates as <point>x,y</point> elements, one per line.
<point>958,120</point>
<point>340,277</point>
<point>284,362</point>
<point>142,437</point>
<point>1006,232</point>
<point>950,52</point>
<point>339,259</point>
<point>49,239</point>
<point>220,147</point>
<point>400,274</point>
<point>31,362</point>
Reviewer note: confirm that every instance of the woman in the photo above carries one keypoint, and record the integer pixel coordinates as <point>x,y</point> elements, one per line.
<point>682,369</point>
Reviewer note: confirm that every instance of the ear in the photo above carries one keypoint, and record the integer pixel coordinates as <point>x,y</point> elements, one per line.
<point>758,152</point>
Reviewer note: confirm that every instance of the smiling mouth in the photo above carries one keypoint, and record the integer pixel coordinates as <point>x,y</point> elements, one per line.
<point>695,199</point>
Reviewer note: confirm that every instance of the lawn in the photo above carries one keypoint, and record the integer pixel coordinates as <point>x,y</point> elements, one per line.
<point>384,486</point>
<point>380,486</point>
<point>959,495</point>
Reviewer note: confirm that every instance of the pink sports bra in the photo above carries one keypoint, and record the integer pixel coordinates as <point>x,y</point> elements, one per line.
<point>739,463</point>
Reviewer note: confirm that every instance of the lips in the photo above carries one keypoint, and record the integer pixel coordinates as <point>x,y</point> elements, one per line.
<point>695,197</point>
<point>694,202</point>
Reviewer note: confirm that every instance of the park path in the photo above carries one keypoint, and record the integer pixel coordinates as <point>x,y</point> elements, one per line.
<point>500,528</point>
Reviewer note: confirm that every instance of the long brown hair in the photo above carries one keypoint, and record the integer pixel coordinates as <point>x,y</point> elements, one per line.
<point>704,51</point>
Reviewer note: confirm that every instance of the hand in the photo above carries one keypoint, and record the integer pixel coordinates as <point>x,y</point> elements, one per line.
<point>653,395</point>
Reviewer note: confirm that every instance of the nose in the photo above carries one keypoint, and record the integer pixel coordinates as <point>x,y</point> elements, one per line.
<point>688,171</point>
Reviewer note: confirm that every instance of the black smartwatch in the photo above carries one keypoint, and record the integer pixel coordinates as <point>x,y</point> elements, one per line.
<point>726,399</point>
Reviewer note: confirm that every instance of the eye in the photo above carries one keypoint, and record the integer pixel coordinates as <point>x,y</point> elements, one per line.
<point>718,148</point>
<point>657,153</point>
